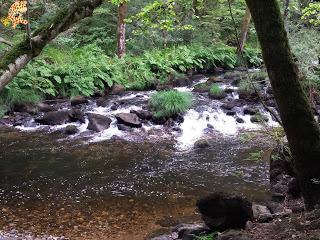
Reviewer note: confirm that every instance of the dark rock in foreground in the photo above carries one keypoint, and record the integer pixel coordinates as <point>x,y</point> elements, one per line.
<point>129,119</point>
<point>261,213</point>
<point>202,143</point>
<point>220,211</point>
<point>98,122</point>
<point>234,235</point>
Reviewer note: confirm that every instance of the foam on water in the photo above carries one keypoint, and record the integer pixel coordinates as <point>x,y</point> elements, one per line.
<point>197,122</point>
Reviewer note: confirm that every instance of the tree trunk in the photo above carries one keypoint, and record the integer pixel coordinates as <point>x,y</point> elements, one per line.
<point>20,55</point>
<point>244,29</point>
<point>298,121</point>
<point>122,11</point>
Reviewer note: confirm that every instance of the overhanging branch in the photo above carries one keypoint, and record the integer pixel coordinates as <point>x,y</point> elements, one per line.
<point>21,54</point>
<point>2,40</point>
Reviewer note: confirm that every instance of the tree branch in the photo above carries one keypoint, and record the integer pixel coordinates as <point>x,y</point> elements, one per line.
<point>21,54</point>
<point>2,40</point>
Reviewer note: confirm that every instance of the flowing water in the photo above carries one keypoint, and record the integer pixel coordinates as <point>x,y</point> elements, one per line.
<point>92,186</point>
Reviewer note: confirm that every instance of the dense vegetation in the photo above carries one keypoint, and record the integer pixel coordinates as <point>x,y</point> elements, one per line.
<point>83,60</point>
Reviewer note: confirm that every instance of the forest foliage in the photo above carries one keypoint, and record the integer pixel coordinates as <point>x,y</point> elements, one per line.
<point>165,40</point>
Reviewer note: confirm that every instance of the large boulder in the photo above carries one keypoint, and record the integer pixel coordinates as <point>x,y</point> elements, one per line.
<point>102,102</point>
<point>98,122</point>
<point>54,118</point>
<point>78,100</point>
<point>25,107</point>
<point>76,115</point>
<point>43,107</point>
<point>143,114</point>
<point>129,119</point>
<point>71,130</point>
<point>221,211</point>
<point>118,89</point>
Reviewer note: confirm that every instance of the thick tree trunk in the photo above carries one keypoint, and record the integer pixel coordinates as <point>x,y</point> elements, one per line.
<point>122,11</point>
<point>244,29</point>
<point>298,121</point>
<point>21,54</point>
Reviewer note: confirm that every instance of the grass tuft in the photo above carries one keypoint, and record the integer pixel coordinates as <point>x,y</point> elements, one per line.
<point>170,103</point>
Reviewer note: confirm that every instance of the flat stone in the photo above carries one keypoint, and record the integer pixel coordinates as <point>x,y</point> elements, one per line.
<point>129,119</point>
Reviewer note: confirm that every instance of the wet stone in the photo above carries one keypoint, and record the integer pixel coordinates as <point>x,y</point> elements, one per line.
<point>98,122</point>
<point>129,119</point>
<point>78,100</point>
<point>261,213</point>
<point>239,120</point>
<point>71,130</point>
<point>202,143</point>
<point>231,113</point>
<point>221,211</point>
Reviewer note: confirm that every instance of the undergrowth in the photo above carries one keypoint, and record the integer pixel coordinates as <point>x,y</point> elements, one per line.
<point>64,71</point>
<point>216,91</point>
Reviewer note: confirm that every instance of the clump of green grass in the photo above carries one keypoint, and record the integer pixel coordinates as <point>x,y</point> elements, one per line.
<point>15,96</point>
<point>211,236</point>
<point>3,111</point>
<point>216,92</point>
<point>170,103</point>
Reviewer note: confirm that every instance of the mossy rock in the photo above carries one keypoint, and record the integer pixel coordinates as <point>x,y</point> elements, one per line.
<point>215,79</point>
<point>232,75</point>
<point>202,87</point>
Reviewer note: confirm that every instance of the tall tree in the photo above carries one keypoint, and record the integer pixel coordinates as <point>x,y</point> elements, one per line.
<point>244,29</point>
<point>302,131</point>
<point>121,30</point>
<point>21,54</point>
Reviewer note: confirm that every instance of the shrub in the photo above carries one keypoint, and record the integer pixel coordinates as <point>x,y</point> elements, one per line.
<point>66,71</point>
<point>216,92</point>
<point>13,96</point>
<point>248,87</point>
<point>170,103</point>
<point>211,236</point>
<point>3,111</point>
